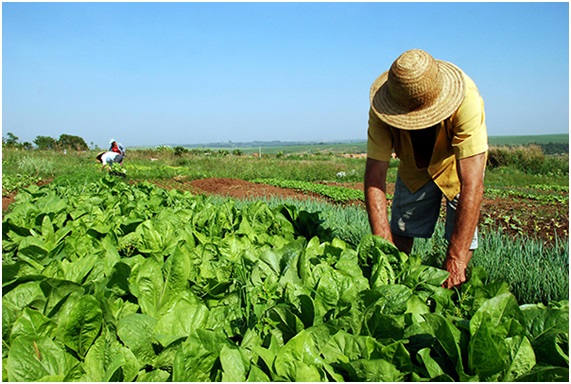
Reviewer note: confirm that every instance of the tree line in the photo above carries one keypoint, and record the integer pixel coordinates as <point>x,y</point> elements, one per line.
<point>65,141</point>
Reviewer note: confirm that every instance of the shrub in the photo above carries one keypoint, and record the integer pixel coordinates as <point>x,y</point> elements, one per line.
<point>526,158</point>
<point>529,158</point>
<point>179,151</point>
<point>181,161</point>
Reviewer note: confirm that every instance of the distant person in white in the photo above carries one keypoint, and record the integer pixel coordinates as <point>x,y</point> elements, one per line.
<point>108,158</point>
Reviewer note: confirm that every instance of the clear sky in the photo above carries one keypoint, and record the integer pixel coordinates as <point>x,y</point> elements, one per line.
<point>196,73</point>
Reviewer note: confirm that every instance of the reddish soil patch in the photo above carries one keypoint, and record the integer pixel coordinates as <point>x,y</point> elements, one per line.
<point>9,198</point>
<point>527,217</point>
<point>235,188</point>
<point>6,201</point>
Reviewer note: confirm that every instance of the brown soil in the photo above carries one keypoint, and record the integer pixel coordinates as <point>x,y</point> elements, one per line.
<point>515,216</point>
<point>235,188</point>
<point>6,201</point>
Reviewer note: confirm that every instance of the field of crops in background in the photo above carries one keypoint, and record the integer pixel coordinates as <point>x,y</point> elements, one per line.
<point>516,172</point>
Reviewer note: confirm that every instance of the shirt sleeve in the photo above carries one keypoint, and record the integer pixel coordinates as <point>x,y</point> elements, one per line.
<point>470,136</point>
<point>379,139</point>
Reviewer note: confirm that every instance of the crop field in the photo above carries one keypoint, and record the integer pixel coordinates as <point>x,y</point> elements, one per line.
<point>213,266</point>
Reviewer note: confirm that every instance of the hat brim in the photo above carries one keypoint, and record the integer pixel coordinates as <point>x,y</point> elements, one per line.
<point>444,106</point>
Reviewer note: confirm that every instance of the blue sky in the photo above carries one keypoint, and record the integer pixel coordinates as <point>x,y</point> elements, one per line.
<point>193,73</point>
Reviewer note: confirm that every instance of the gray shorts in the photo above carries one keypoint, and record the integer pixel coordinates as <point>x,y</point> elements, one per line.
<point>415,214</point>
<point>117,159</point>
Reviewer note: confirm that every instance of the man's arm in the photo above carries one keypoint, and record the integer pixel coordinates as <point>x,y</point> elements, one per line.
<point>375,197</point>
<point>471,175</point>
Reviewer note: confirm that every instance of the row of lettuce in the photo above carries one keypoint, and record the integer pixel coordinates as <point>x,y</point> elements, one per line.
<point>115,282</point>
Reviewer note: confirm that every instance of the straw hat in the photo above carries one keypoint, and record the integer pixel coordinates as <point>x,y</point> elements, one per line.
<point>417,91</point>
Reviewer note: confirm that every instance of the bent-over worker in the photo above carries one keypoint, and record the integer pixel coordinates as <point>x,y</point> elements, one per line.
<point>431,114</point>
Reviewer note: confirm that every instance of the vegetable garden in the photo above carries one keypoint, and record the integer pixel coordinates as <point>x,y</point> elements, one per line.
<point>110,280</point>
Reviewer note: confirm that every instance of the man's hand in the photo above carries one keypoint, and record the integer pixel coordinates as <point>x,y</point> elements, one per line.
<point>457,270</point>
<point>458,255</point>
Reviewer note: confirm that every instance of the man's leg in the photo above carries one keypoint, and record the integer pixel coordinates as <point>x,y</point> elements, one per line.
<point>449,226</point>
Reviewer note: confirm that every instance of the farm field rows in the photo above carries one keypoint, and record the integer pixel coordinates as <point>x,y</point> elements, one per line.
<point>214,269</point>
<point>115,282</point>
<point>514,211</point>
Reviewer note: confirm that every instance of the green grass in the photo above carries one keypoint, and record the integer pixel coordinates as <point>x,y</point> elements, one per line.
<point>248,168</point>
<point>522,140</point>
<point>535,273</point>
<point>13,182</point>
<point>312,148</point>
<point>149,164</point>
<point>336,193</point>
<point>285,148</point>
<point>293,148</point>
<point>510,177</point>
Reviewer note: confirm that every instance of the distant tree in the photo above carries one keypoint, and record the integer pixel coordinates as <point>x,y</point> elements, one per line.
<point>179,151</point>
<point>45,142</point>
<point>27,145</point>
<point>72,142</point>
<point>555,148</point>
<point>10,140</point>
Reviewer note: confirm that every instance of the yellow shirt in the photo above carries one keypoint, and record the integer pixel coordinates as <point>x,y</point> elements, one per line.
<point>462,135</point>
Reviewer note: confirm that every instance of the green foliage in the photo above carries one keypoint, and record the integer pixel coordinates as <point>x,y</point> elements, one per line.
<point>512,192</point>
<point>117,170</point>
<point>45,142</point>
<point>36,166</point>
<point>537,272</point>
<point>72,142</point>
<point>10,140</point>
<point>12,183</point>
<point>555,148</point>
<point>559,138</point>
<point>528,158</point>
<point>116,282</point>
<point>179,151</point>
<point>336,193</point>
